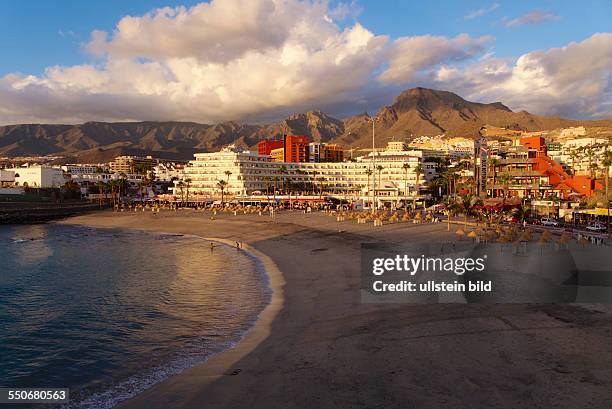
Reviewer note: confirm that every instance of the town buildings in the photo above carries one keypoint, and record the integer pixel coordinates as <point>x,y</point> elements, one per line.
<point>526,170</point>
<point>397,173</point>
<point>130,164</point>
<point>38,176</point>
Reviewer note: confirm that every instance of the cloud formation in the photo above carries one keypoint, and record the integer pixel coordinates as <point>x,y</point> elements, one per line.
<point>534,17</point>
<point>575,80</point>
<point>262,59</point>
<point>481,12</point>
<point>411,55</point>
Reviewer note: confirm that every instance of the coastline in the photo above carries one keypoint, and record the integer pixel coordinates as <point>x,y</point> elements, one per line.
<point>321,347</point>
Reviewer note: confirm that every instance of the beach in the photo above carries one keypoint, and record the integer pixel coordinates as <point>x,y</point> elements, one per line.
<point>317,345</point>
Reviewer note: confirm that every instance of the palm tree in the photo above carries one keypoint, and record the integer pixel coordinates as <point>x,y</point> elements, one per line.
<point>221,184</point>
<point>283,171</point>
<point>187,186</point>
<point>418,170</point>
<point>379,168</point>
<point>267,182</point>
<point>321,180</point>
<point>521,213</point>
<point>228,174</point>
<point>113,185</point>
<point>369,173</point>
<point>406,166</point>
<point>573,156</point>
<point>505,180</point>
<point>590,154</point>
<point>181,186</point>
<point>101,190</point>
<point>494,163</point>
<point>606,163</point>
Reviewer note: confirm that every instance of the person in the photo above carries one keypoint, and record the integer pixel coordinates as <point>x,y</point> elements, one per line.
<point>212,246</point>
<point>237,245</point>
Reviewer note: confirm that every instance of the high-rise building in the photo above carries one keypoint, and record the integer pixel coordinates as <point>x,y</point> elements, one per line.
<point>266,146</point>
<point>332,153</point>
<point>130,164</point>
<point>296,148</point>
<point>278,155</point>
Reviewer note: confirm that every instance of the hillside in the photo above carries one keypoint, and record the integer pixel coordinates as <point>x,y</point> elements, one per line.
<point>414,112</point>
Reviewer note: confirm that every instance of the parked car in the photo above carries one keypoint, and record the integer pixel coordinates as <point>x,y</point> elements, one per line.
<point>596,227</point>
<point>548,221</point>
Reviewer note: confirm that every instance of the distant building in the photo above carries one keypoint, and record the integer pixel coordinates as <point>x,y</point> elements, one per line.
<point>402,175</point>
<point>573,132</point>
<point>166,172</point>
<point>38,176</point>
<point>324,152</point>
<point>333,153</point>
<point>278,155</point>
<point>396,146</point>
<point>7,177</point>
<point>129,164</point>
<point>266,146</point>
<point>76,169</point>
<point>296,148</point>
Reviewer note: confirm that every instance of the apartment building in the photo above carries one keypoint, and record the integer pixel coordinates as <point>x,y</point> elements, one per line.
<point>130,164</point>
<point>245,172</point>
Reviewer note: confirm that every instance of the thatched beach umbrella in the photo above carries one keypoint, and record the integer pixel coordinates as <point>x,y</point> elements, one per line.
<point>472,235</point>
<point>460,232</point>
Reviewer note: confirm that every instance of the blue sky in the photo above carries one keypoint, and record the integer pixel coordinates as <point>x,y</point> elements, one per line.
<point>31,31</point>
<point>258,60</point>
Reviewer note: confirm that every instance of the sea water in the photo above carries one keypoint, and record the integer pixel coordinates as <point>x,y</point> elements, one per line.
<point>109,313</point>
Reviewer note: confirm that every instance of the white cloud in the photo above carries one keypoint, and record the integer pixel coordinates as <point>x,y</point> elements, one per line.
<point>208,63</point>
<point>411,55</point>
<point>481,12</point>
<point>575,80</point>
<point>217,61</point>
<point>534,17</point>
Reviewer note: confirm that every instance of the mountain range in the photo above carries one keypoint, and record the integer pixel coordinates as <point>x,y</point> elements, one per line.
<point>414,112</point>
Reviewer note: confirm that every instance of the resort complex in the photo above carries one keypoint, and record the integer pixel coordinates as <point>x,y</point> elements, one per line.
<point>558,177</point>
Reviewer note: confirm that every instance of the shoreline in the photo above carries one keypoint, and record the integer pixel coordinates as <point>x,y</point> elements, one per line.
<point>323,347</point>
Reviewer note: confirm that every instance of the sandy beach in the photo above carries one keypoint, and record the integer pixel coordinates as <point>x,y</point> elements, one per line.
<point>318,346</point>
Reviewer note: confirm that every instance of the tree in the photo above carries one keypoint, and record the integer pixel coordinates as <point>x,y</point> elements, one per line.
<point>321,180</point>
<point>369,173</point>
<point>606,163</point>
<point>494,163</point>
<point>590,154</point>
<point>222,184</point>
<point>521,212</point>
<point>102,189</point>
<point>573,156</point>
<point>181,186</point>
<point>505,180</point>
<point>282,172</point>
<point>379,168</point>
<point>187,186</point>
<point>405,167</point>
<point>419,171</point>
<point>228,174</point>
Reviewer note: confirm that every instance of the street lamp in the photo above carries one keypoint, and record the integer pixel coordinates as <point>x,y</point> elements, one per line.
<point>374,120</point>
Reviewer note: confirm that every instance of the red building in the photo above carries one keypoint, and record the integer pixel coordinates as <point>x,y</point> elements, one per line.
<point>266,146</point>
<point>296,148</point>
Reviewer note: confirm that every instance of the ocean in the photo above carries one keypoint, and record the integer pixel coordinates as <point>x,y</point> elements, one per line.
<point>109,313</point>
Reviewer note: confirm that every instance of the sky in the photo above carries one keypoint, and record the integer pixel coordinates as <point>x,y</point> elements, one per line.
<point>260,60</point>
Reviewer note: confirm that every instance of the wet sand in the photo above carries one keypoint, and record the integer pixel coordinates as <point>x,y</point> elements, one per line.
<point>318,346</point>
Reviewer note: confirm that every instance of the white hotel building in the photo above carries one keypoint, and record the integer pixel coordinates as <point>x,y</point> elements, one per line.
<point>250,172</point>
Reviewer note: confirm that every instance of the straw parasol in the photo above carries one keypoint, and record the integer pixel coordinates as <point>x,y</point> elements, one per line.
<point>460,233</point>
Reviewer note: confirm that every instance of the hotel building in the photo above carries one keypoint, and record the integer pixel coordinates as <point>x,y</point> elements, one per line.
<point>248,172</point>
